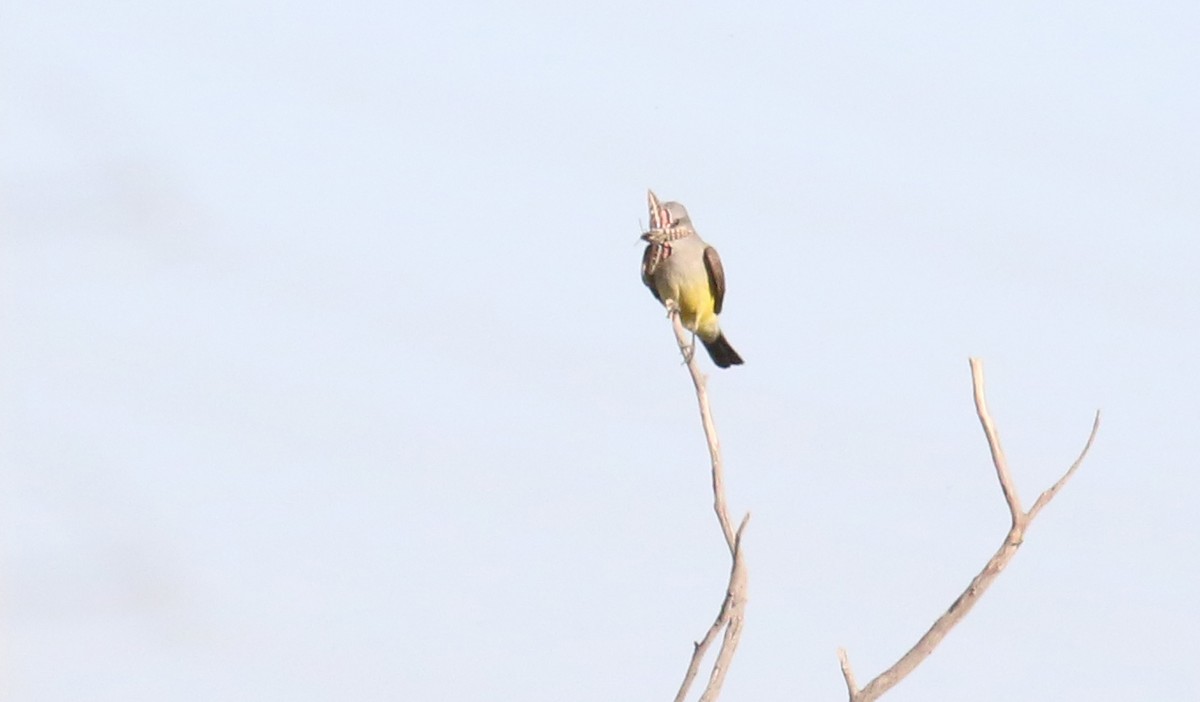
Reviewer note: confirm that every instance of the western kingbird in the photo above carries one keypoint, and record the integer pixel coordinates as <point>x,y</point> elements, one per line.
<point>677,265</point>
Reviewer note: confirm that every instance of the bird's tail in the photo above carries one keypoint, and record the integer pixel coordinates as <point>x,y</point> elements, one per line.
<point>722,353</point>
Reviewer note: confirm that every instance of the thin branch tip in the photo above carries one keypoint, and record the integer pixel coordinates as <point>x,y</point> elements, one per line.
<point>999,461</point>
<point>847,673</point>
<point>737,536</point>
<point>1049,493</point>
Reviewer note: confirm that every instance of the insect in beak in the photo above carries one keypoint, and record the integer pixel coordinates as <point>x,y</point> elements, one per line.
<point>658,216</point>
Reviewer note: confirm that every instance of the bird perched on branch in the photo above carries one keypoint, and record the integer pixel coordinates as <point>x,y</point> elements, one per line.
<point>679,267</point>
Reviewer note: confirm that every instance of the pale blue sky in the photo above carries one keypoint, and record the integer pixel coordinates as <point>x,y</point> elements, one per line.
<point>328,373</point>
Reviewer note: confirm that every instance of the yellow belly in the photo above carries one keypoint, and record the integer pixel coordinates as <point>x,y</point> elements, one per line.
<point>695,302</point>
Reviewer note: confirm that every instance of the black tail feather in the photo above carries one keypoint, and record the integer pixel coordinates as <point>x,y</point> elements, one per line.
<point>722,353</point>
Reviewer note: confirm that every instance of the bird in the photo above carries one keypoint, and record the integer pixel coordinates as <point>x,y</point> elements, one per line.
<point>684,272</point>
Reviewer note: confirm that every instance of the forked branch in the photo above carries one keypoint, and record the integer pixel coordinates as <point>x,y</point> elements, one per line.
<point>732,612</point>
<point>980,583</point>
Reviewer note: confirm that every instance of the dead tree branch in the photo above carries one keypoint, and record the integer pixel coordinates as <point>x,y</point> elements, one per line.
<point>732,612</point>
<point>980,583</point>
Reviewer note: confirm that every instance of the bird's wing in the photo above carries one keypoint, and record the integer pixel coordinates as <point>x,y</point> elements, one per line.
<point>716,277</point>
<point>650,258</point>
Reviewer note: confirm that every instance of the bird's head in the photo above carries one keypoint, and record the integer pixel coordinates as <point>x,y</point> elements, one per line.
<point>666,217</point>
<point>676,216</point>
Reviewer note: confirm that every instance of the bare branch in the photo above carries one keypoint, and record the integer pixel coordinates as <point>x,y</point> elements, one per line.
<point>993,439</point>
<point>732,612</point>
<point>925,645</point>
<point>700,648</point>
<point>991,570</point>
<point>847,673</point>
<point>1051,491</point>
<point>687,347</point>
<point>734,609</point>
